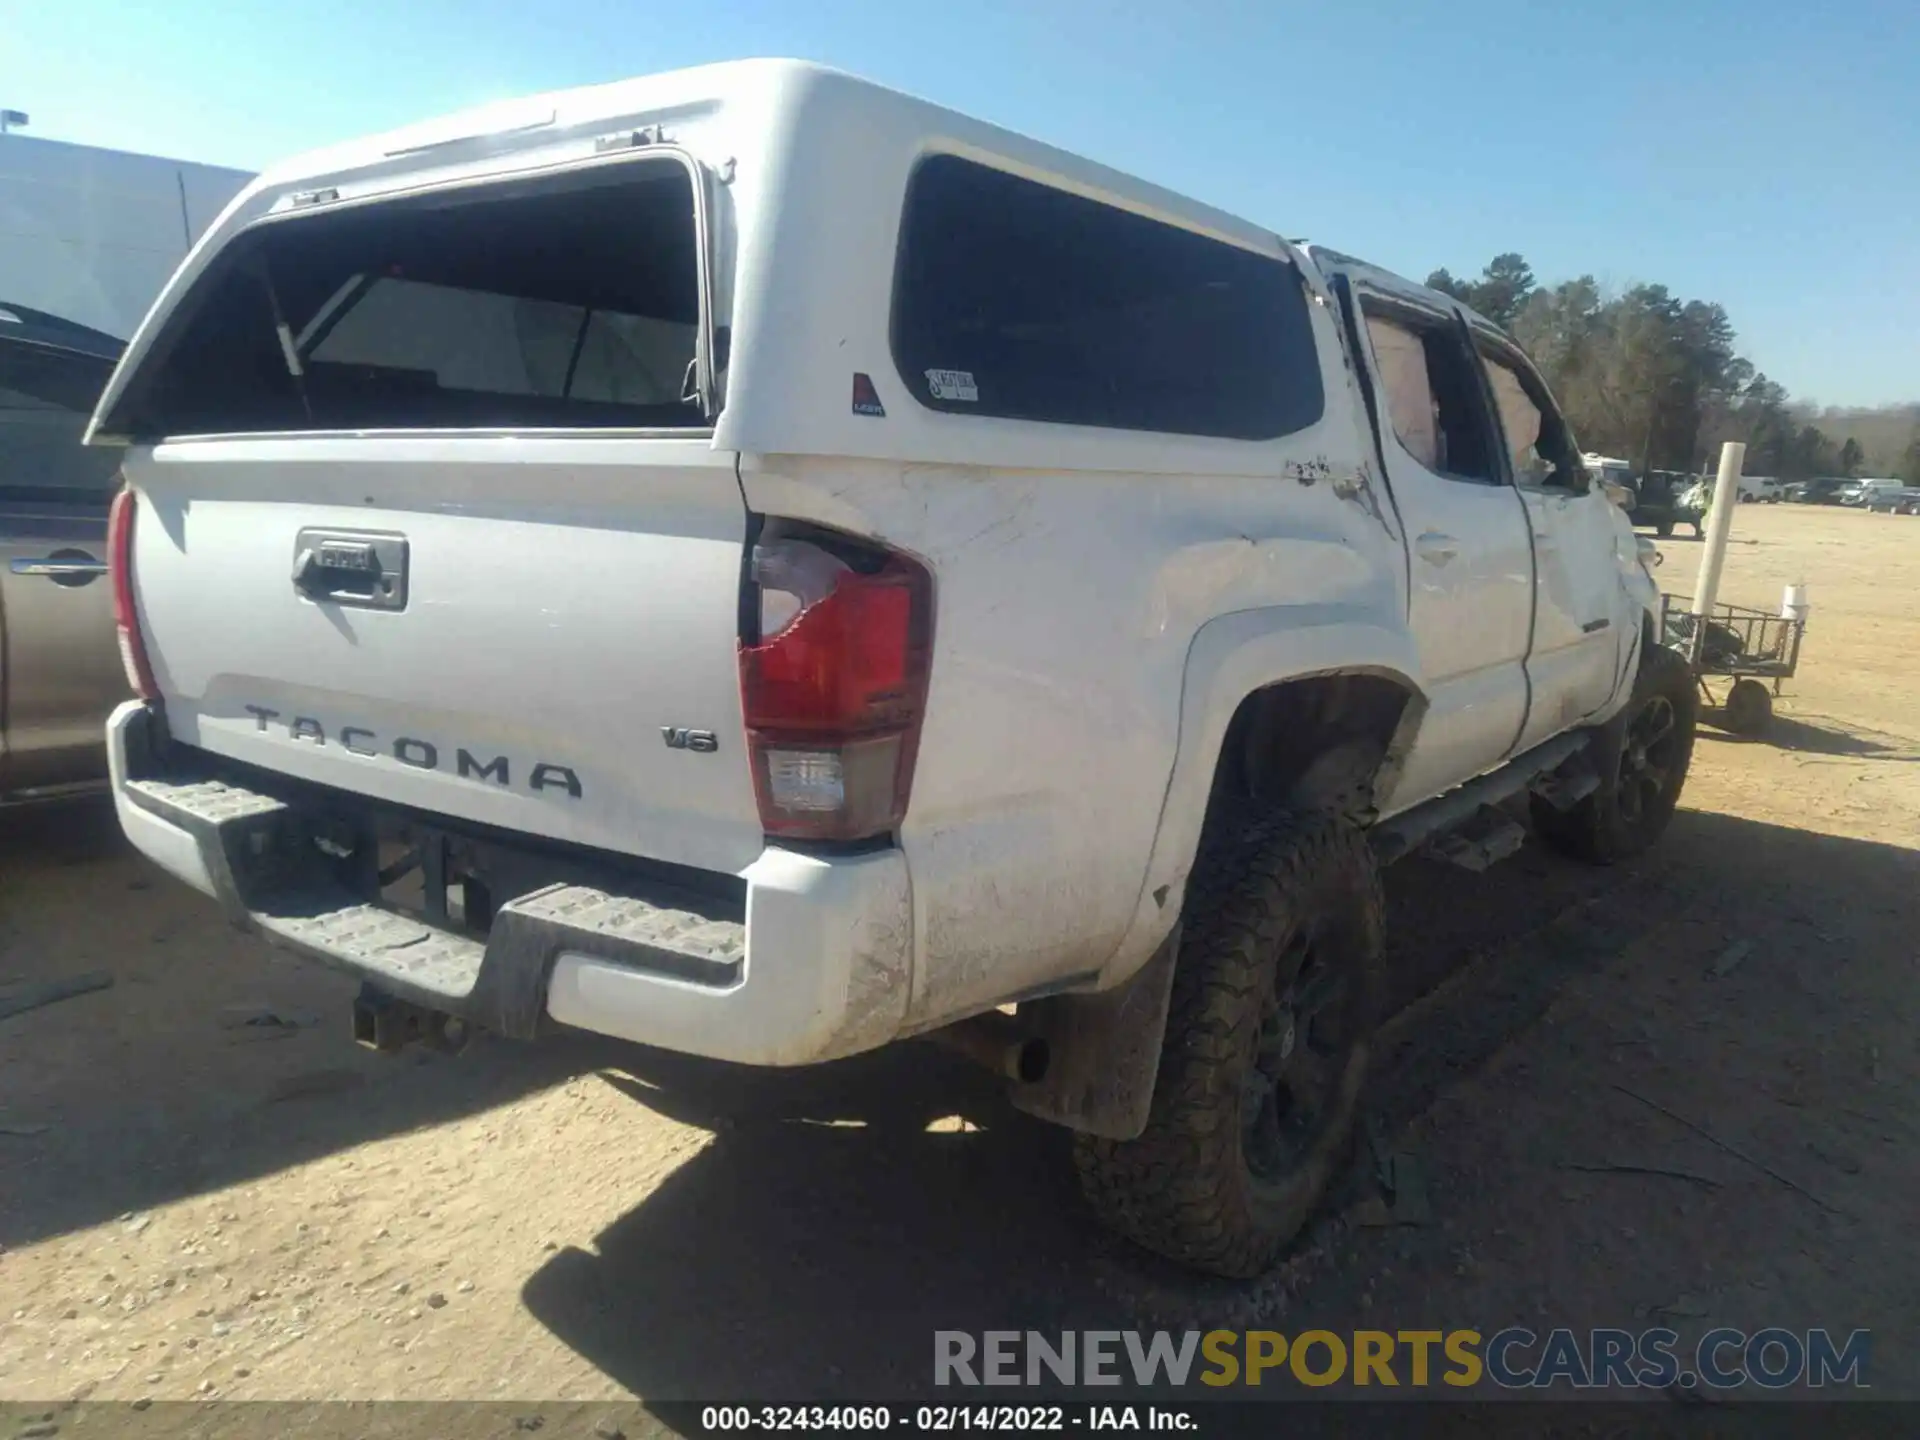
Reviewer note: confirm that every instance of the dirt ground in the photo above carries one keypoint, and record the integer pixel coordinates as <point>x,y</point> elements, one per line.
<point>195,1206</point>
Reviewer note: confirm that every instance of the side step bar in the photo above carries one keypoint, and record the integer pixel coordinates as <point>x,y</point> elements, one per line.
<point>1396,838</point>
<point>1481,842</point>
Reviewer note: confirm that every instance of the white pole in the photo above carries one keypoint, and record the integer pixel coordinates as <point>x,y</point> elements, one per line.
<point>1726,495</point>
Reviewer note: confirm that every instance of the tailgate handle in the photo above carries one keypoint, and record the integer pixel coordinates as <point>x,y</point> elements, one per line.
<point>365,570</point>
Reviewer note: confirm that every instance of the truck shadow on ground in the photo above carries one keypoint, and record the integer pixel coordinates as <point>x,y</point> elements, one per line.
<point>834,1219</point>
<point>134,1096</point>
<point>66,834</point>
<point>816,1244</point>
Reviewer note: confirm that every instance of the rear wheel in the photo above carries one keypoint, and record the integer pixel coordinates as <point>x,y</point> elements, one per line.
<point>1642,755</point>
<point>1268,1037</point>
<point>1664,529</point>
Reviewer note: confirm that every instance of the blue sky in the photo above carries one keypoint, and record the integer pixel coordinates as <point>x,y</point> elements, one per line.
<point>1762,153</point>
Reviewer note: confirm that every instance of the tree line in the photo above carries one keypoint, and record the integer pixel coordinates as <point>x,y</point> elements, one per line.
<point>1658,381</point>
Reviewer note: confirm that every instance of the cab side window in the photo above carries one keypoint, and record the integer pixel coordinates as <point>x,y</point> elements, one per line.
<point>1539,447</point>
<point>1432,396</point>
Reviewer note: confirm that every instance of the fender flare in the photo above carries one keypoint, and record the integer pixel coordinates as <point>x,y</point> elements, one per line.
<point>1230,658</point>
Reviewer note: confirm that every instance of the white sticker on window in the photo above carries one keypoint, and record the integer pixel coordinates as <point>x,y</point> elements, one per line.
<point>953,385</point>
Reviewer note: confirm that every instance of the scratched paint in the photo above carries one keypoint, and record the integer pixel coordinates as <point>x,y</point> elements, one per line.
<point>879,980</point>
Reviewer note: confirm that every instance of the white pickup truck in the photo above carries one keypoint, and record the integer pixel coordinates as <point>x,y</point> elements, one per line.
<point>759,565</point>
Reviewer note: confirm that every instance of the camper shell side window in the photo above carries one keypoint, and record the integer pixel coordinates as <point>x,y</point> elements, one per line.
<point>1022,301</point>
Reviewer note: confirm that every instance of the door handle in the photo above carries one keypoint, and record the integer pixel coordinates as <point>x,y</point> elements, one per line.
<point>1435,548</point>
<point>72,567</point>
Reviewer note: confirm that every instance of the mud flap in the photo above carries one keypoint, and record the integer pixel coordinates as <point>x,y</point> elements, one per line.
<point>1104,1052</point>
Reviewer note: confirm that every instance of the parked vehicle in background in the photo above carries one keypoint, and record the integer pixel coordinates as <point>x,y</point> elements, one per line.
<point>1822,490</point>
<point>1607,468</point>
<point>720,560</point>
<point>1664,500</point>
<point>1698,494</point>
<point>1904,501</point>
<point>1656,500</point>
<point>1862,493</point>
<point>62,667</point>
<point>90,237</point>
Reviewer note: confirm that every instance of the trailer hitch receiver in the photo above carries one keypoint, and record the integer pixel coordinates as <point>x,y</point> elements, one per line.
<point>386,1023</point>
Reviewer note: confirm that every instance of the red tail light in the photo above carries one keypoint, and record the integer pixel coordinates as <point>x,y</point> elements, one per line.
<point>126,619</point>
<point>835,689</point>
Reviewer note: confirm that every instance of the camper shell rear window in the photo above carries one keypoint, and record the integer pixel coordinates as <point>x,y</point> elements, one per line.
<point>570,303</point>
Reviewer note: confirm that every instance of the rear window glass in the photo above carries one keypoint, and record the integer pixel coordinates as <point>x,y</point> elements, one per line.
<point>574,306</point>
<point>1015,299</point>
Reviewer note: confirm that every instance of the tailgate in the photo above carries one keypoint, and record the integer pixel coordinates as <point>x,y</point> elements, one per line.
<point>562,662</point>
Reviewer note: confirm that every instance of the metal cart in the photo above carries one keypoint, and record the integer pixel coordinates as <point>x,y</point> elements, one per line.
<point>1753,649</point>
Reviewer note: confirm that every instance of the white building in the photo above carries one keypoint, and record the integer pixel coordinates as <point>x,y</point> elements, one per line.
<point>88,236</point>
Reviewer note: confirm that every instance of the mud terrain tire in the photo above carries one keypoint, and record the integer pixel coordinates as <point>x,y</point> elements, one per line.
<point>1276,993</point>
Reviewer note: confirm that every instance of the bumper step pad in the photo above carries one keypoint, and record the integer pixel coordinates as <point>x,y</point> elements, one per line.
<point>271,878</point>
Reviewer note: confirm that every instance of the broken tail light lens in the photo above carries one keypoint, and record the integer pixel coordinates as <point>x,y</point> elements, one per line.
<point>835,688</point>
<point>126,617</point>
